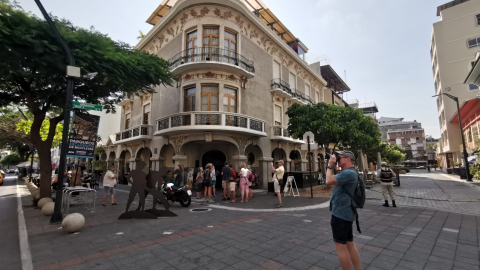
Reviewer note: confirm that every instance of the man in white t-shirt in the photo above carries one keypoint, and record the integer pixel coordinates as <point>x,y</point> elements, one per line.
<point>279,170</point>
<point>109,182</point>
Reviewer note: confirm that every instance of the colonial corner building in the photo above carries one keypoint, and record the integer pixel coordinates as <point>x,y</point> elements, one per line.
<point>238,69</point>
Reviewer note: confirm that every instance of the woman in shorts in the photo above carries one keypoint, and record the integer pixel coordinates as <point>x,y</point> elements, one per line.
<point>199,183</point>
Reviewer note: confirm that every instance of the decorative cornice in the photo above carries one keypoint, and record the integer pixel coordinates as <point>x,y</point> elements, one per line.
<point>210,75</point>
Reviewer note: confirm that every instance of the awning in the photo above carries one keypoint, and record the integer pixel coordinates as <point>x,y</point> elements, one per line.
<point>470,112</point>
<point>26,164</point>
<point>334,81</point>
<point>473,76</point>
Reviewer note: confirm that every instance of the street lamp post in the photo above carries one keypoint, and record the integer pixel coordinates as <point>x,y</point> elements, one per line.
<point>311,145</point>
<point>71,70</point>
<point>465,155</point>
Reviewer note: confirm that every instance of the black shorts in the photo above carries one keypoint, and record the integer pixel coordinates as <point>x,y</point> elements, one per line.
<point>341,230</point>
<point>207,184</point>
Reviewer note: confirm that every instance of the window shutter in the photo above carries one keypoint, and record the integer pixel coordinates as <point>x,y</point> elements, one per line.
<point>278,114</point>
<point>146,108</point>
<point>276,70</point>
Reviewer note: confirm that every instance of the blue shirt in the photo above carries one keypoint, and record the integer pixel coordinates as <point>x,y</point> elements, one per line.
<point>341,202</point>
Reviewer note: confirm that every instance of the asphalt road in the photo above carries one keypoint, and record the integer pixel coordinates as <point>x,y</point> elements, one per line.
<point>9,224</point>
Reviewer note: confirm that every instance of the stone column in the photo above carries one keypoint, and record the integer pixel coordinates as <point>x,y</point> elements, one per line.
<point>154,161</point>
<point>238,160</point>
<point>303,166</point>
<point>266,165</point>
<point>287,165</point>
<point>180,160</point>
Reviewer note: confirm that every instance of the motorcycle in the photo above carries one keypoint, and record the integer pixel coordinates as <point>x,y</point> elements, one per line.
<point>173,194</point>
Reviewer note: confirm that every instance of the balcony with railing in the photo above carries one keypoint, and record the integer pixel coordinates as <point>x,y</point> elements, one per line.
<point>203,121</point>
<point>280,133</point>
<point>283,89</point>
<point>142,132</point>
<point>211,57</point>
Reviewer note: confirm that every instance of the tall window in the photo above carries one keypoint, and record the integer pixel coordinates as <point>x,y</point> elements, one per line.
<point>191,45</point>
<point>278,115</point>
<point>230,46</point>
<point>307,90</point>
<point>146,114</point>
<point>276,70</point>
<point>292,80</point>
<point>127,120</point>
<point>318,97</point>
<point>477,19</point>
<point>209,97</point>
<point>189,101</point>
<point>230,100</point>
<point>211,42</point>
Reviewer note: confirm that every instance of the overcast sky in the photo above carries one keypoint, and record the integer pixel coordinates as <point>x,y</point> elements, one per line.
<point>383,45</point>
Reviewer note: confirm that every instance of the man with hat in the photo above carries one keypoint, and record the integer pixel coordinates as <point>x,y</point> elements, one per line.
<point>386,176</point>
<point>279,170</point>
<point>343,214</point>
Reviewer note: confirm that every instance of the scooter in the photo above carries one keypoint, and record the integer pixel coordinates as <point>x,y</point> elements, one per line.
<point>173,194</point>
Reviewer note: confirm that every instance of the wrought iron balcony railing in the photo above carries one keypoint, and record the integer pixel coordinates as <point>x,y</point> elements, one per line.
<point>214,54</point>
<point>140,132</point>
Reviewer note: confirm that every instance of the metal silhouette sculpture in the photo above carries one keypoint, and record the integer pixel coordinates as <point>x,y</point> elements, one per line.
<point>143,185</point>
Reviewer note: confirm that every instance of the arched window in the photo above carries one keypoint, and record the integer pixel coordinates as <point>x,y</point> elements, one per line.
<point>189,102</point>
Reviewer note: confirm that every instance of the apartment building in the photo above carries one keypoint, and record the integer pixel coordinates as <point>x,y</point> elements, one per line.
<point>239,69</point>
<point>454,43</point>
<point>368,108</point>
<point>412,140</point>
<point>391,123</point>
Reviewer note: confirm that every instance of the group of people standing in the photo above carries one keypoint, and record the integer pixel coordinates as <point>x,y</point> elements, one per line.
<point>232,182</point>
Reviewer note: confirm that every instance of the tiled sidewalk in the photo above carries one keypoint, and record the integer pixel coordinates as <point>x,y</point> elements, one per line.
<point>392,238</point>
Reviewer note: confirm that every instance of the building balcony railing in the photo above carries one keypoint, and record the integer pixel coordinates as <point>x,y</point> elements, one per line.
<point>142,132</point>
<point>210,57</point>
<point>283,89</point>
<point>210,121</point>
<point>280,133</point>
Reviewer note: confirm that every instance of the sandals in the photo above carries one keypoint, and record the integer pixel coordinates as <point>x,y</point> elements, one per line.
<point>104,204</point>
<point>114,203</point>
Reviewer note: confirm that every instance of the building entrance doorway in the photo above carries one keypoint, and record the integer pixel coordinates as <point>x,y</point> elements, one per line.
<point>217,158</point>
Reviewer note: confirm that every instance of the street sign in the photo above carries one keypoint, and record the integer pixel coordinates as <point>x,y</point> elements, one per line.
<point>310,135</point>
<point>86,106</point>
<point>313,146</point>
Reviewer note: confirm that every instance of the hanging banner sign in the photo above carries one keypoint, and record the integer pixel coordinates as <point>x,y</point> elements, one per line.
<point>82,139</point>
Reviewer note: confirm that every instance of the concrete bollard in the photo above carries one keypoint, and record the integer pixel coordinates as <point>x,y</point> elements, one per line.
<point>73,223</point>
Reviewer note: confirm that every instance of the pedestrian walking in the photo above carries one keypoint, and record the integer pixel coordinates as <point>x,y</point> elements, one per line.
<point>243,183</point>
<point>109,183</point>
<point>251,179</point>
<point>278,171</point>
<point>386,176</point>
<point>178,175</point>
<point>343,214</point>
<point>207,183</point>
<point>199,182</point>
<point>214,181</point>
<point>233,182</point>
<point>226,182</point>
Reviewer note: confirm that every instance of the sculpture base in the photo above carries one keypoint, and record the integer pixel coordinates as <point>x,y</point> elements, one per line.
<point>137,215</point>
<point>161,213</point>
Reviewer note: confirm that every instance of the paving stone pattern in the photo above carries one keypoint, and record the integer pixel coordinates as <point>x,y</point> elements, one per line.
<point>392,238</point>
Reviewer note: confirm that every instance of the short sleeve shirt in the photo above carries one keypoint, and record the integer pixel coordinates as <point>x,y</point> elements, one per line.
<point>200,179</point>
<point>179,177</point>
<point>280,171</point>
<point>226,173</point>
<point>341,201</point>
<point>109,180</point>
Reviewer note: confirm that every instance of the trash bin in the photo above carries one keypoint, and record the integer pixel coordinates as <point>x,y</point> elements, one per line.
<point>463,173</point>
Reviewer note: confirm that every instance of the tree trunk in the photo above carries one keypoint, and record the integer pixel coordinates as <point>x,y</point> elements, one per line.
<point>45,160</point>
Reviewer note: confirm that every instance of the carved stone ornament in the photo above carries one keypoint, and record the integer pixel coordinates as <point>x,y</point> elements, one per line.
<point>242,143</point>
<point>134,148</point>
<point>208,136</point>
<point>177,142</point>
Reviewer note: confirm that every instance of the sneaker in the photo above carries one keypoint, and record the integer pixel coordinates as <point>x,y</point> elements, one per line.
<point>211,201</point>
<point>228,199</point>
<point>278,205</point>
<point>224,199</point>
<point>114,203</point>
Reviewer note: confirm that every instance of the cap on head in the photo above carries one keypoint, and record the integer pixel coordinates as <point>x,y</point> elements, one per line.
<point>280,161</point>
<point>347,154</point>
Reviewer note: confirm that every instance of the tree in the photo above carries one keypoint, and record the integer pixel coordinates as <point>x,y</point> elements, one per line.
<point>26,127</point>
<point>393,154</point>
<point>12,159</point>
<point>32,73</point>
<point>344,127</point>
<point>10,137</point>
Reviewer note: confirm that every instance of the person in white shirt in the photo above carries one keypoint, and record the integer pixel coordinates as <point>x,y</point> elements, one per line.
<point>243,183</point>
<point>109,182</point>
<point>279,170</point>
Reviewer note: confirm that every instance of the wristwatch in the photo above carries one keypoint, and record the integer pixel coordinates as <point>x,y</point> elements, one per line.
<point>331,167</point>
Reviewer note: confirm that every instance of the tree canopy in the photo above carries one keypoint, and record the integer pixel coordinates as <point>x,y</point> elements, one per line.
<point>334,126</point>
<point>12,159</point>
<point>33,72</point>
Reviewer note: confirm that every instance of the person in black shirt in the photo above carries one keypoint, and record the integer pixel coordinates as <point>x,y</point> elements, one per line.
<point>178,174</point>
<point>226,182</point>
